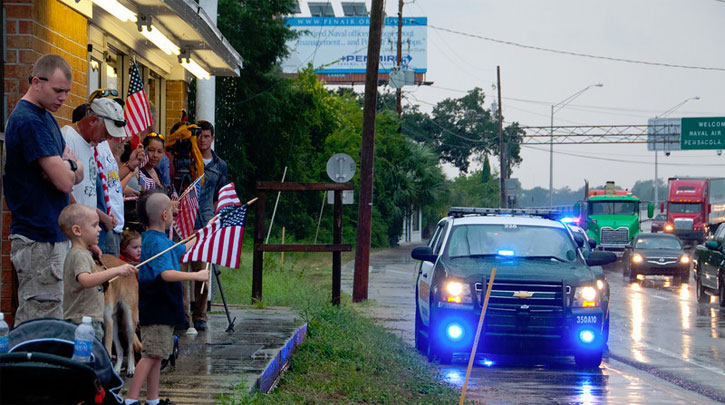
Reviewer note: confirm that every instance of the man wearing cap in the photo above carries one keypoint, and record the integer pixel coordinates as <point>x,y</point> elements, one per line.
<point>113,175</point>
<point>103,118</point>
<point>40,170</point>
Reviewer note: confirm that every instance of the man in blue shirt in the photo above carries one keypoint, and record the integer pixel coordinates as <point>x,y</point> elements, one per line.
<point>40,171</point>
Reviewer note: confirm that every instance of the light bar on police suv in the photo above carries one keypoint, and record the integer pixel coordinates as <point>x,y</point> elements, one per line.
<point>549,213</point>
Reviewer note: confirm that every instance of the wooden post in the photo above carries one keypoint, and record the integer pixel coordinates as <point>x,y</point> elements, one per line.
<point>258,254</point>
<point>337,255</point>
<point>367,152</point>
<point>281,262</point>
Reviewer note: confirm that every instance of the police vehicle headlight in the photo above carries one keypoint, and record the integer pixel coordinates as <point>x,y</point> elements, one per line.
<point>685,259</point>
<point>585,297</point>
<point>457,292</point>
<point>636,259</point>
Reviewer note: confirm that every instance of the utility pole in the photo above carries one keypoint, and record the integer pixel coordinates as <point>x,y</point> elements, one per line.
<point>365,203</point>
<point>398,91</point>
<point>501,143</point>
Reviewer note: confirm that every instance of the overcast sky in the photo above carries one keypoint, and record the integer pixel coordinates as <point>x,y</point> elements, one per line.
<point>683,32</point>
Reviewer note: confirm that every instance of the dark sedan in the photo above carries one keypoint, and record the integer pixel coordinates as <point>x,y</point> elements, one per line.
<point>659,254</point>
<point>658,223</point>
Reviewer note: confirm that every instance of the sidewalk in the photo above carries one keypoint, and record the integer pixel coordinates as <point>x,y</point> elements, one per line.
<point>249,358</point>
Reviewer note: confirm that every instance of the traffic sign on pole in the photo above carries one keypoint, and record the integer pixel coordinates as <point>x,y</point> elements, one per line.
<point>702,133</point>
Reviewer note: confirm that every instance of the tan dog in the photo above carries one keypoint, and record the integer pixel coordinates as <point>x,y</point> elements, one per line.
<point>121,296</point>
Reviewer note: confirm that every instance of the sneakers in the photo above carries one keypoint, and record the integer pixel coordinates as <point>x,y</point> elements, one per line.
<point>200,325</point>
<point>182,327</point>
<point>166,402</point>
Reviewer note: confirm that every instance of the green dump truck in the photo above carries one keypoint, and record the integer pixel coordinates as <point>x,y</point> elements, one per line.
<point>612,217</point>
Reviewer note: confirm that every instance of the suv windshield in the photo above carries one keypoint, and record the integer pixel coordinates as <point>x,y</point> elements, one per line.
<point>510,240</point>
<point>660,217</point>
<point>613,208</point>
<point>657,243</point>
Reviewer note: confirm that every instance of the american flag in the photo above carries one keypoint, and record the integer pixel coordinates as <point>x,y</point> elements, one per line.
<point>136,111</point>
<point>146,182</point>
<point>220,241</point>
<point>188,206</point>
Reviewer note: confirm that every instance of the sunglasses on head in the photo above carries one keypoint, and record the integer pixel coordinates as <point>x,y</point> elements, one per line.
<point>156,135</point>
<point>118,123</point>
<point>30,79</point>
<point>103,93</point>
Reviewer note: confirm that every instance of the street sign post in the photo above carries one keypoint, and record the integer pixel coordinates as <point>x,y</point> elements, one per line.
<point>702,133</point>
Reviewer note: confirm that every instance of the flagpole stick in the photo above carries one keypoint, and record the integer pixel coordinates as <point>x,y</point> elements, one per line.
<point>203,283</point>
<point>478,335</point>
<point>188,189</point>
<point>175,245</point>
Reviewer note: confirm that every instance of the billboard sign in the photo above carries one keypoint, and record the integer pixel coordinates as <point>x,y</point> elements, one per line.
<point>703,133</point>
<point>663,134</point>
<point>339,45</point>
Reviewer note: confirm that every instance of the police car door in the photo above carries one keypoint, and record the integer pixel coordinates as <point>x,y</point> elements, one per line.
<point>425,271</point>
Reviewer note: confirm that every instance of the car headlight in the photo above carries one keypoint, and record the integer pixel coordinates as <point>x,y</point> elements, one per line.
<point>669,228</point>
<point>457,292</point>
<point>600,285</point>
<point>685,259</point>
<point>586,296</point>
<point>637,258</point>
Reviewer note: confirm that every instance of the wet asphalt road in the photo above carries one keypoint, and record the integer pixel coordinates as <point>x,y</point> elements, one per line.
<point>664,347</point>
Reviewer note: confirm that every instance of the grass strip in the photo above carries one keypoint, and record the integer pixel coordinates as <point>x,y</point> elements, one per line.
<point>346,357</point>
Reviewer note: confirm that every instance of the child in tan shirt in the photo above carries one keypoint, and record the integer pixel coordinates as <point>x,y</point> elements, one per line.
<point>82,285</point>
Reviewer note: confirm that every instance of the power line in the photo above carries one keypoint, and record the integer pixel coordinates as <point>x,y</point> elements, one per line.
<point>585,55</point>
<point>590,157</point>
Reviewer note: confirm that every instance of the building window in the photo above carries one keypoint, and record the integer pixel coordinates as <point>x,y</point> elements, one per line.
<point>114,67</point>
<point>354,9</point>
<point>321,10</point>
<point>94,75</point>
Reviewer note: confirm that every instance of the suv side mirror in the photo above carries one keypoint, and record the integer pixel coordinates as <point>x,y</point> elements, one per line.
<point>424,253</point>
<point>592,243</point>
<point>600,258</point>
<point>579,239</point>
<point>711,244</point>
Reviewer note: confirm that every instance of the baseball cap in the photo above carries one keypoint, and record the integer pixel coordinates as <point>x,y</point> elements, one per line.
<point>112,114</point>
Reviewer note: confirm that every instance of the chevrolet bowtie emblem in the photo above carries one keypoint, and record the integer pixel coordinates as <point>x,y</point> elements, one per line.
<point>523,294</point>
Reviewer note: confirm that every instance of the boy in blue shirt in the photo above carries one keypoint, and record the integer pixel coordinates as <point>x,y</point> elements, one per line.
<point>160,297</point>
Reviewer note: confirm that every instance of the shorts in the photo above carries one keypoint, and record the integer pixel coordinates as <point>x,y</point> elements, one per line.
<point>39,266</point>
<point>157,341</point>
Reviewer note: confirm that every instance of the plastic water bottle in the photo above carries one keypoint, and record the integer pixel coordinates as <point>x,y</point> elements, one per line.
<point>4,329</point>
<point>83,341</point>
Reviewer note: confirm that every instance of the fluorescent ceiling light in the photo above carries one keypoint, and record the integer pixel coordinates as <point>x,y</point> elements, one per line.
<point>160,40</point>
<point>195,69</point>
<point>114,8</point>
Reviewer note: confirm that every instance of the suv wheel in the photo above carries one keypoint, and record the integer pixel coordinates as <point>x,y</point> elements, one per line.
<point>435,351</point>
<point>702,297</point>
<point>421,342</point>
<point>588,359</point>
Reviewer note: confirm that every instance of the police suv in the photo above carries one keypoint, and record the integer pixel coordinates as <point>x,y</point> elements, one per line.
<point>544,298</point>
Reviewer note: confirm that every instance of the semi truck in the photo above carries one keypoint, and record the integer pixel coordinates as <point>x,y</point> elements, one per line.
<point>612,217</point>
<point>695,207</point>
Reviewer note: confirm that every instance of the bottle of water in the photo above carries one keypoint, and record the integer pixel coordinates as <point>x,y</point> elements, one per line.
<point>83,341</point>
<point>4,329</point>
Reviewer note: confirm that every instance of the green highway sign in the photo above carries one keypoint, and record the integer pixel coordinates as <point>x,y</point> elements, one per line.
<point>702,133</point>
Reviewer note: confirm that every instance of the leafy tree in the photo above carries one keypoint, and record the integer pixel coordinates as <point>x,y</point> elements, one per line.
<point>469,191</point>
<point>486,170</point>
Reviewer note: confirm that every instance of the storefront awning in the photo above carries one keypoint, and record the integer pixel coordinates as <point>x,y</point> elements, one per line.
<point>188,35</point>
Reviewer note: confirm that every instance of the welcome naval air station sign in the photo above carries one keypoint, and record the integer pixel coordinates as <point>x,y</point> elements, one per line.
<point>702,133</point>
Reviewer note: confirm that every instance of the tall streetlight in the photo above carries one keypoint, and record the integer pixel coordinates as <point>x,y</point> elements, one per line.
<point>556,107</point>
<point>662,115</point>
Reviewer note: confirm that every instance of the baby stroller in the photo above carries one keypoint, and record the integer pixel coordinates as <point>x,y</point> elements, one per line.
<point>38,368</point>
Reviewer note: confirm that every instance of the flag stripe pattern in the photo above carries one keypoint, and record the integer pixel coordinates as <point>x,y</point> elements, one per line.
<point>136,111</point>
<point>188,207</point>
<point>220,241</point>
<point>146,182</point>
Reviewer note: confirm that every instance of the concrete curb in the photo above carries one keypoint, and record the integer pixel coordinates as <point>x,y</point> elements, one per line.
<point>270,376</point>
